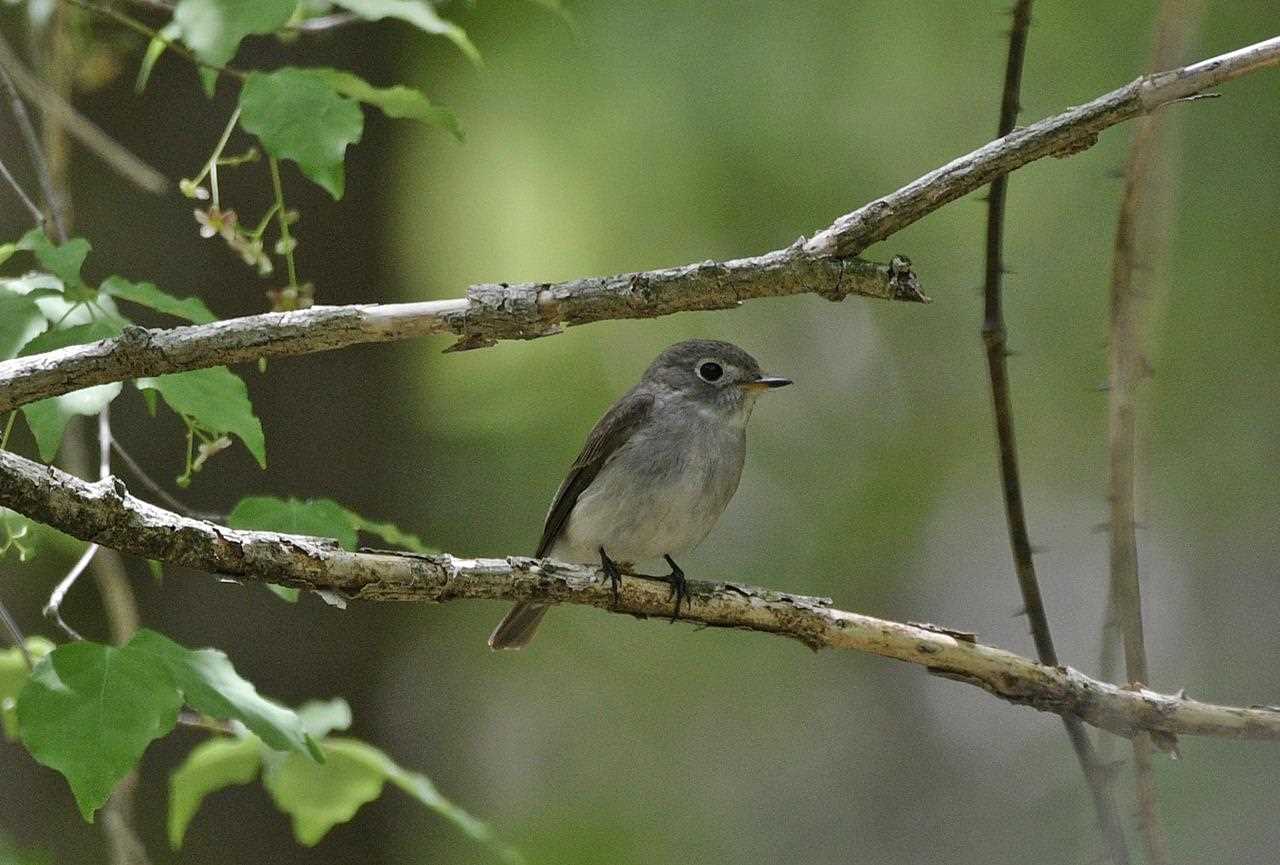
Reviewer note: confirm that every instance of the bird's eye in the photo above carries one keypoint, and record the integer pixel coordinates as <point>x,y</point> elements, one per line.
<point>710,371</point>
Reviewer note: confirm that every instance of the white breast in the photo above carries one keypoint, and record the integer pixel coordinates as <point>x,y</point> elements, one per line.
<point>650,501</point>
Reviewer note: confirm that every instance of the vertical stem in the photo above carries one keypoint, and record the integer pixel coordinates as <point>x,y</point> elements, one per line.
<point>1175,23</point>
<point>994,338</point>
<point>34,150</point>
<point>283,216</point>
<point>108,568</point>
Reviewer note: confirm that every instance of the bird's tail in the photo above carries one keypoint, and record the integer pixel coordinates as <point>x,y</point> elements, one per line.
<point>517,627</point>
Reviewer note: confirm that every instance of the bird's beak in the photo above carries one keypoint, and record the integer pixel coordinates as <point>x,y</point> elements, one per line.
<point>764,382</point>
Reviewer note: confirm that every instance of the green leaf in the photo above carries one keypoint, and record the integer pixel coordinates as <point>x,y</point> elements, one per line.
<point>416,12</point>
<point>13,676</point>
<point>320,796</point>
<point>48,418</point>
<point>63,261</point>
<point>14,531</point>
<point>213,686</point>
<point>89,711</point>
<point>297,115</point>
<point>146,294</point>
<point>213,28</point>
<point>392,534</point>
<point>155,48</point>
<point>20,321</point>
<point>322,518</point>
<point>288,594</point>
<point>400,102</point>
<point>210,767</point>
<point>217,399</point>
<point>6,251</point>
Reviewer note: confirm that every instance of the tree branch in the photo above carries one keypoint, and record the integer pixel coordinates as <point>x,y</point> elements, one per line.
<point>104,512</point>
<point>994,339</point>
<point>1176,23</point>
<point>488,313</point>
<point>491,312</point>
<point>1063,134</point>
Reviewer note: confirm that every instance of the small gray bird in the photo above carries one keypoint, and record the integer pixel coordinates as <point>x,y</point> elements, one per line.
<point>656,472</point>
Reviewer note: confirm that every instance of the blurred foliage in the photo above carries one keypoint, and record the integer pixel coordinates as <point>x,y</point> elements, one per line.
<point>662,133</point>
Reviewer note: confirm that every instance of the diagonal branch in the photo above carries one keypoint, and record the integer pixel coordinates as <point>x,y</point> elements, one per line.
<point>1063,134</point>
<point>486,314</point>
<point>994,339</point>
<point>492,312</point>
<point>106,513</point>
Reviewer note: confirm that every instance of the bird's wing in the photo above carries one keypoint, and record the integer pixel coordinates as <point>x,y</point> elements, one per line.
<point>610,433</point>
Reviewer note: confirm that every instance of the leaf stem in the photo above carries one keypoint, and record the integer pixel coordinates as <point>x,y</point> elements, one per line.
<point>284,221</point>
<point>8,428</point>
<point>210,169</point>
<point>138,27</point>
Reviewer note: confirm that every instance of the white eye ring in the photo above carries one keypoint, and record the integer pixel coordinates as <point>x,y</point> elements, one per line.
<point>708,370</point>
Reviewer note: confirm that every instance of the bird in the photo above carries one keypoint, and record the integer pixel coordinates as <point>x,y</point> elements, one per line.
<point>655,474</point>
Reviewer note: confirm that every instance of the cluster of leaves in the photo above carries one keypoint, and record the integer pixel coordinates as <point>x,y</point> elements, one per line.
<point>305,115</point>
<point>90,711</point>
<point>56,308</point>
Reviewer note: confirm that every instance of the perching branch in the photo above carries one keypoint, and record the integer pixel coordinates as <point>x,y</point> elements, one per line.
<point>106,513</point>
<point>994,339</point>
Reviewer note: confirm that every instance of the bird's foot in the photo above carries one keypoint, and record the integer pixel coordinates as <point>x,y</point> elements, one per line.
<point>679,587</point>
<point>610,568</point>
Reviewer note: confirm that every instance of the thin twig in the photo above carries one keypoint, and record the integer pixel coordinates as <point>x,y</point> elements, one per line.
<point>26,200</point>
<point>80,127</point>
<point>106,510</point>
<point>34,151</point>
<point>158,490</point>
<point>1064,134</point>
<point>141,29</point>
<point>994,338</point>
<point>1175,26</point>
<point>53,609</point>
<point>15,634</point>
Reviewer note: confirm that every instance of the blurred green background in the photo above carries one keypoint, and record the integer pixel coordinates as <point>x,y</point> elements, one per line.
<point>669,132</point>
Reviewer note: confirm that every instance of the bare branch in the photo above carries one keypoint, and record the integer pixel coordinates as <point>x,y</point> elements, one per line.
<point>1176,23</point>
<point>994,339</point>
<point>105,512</point>
<point>524,311</point>
<point>127,165</point>
<point>486,314</point>
<point>34,151</point>
<point>1064,134</point>
<point>30,205</point>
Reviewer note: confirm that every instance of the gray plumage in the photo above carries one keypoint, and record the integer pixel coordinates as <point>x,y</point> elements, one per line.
<point>656,472</point>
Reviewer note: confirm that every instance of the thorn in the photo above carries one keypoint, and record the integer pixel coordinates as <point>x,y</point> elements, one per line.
<point>1020,611</point>
<point>1039,549</point>
<point>1009,352</point>
<point>1104,387</point>
<point>1006,269</point>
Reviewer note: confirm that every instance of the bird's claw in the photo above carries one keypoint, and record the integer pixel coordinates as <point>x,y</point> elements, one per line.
<point>679,587</point>
<point>610,568</point>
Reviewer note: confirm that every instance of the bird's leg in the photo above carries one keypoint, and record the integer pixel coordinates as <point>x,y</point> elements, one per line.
<point>610,568</point>
<point>679,586</point>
